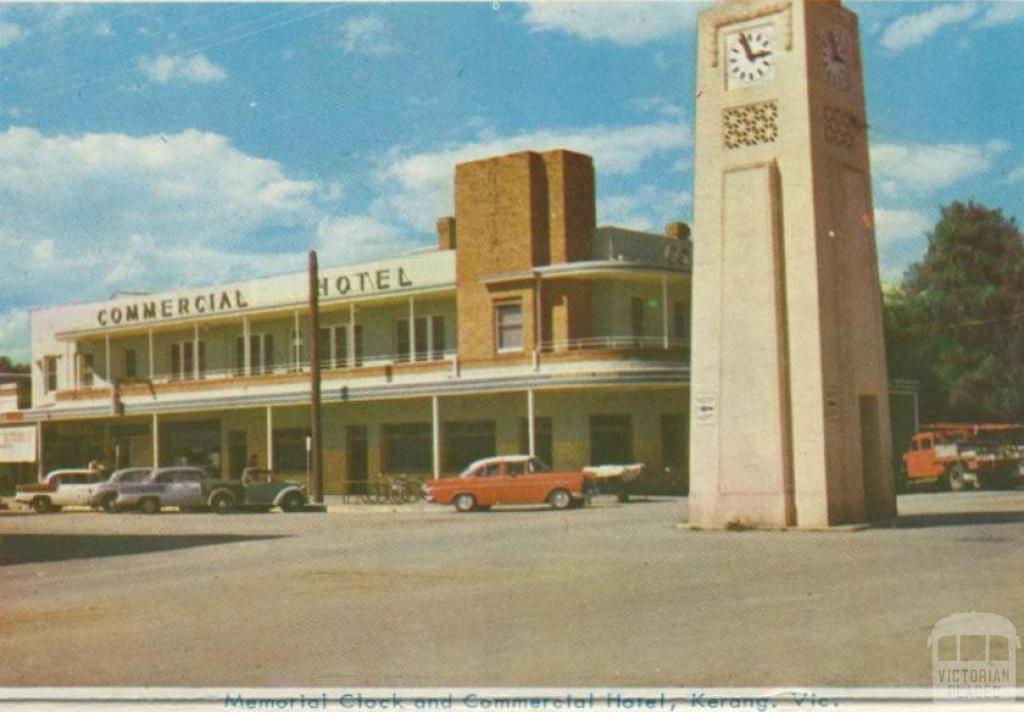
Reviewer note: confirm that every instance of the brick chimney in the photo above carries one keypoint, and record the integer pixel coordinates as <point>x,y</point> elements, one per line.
<point>446,233</point>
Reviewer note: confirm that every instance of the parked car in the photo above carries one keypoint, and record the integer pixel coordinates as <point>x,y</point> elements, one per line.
<point>187,488</point>
<point>262,496</point>
<point>105,493</point>
<point>60,488</point>
<point>510,479</point>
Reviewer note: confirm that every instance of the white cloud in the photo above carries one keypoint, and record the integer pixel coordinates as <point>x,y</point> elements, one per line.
<point>357,238</point>
<point>1016,175</point>
<point>913,30</point>
<point>658,106</point>
<point>919,167</point>
<point>14,336</point>
<point>624,23</point>
<point>142,212</point>
<point>646,208</point>
<point>1002,13</point>
<point>902,238</point>
<point>894,226</point>
<point>10,33</point>
<point>103,29</point>
<point>193,69</point>
<point>368,35</point>
<point>417,187</point>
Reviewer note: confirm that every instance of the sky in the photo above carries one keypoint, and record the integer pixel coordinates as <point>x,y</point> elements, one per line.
<point>151,146</point>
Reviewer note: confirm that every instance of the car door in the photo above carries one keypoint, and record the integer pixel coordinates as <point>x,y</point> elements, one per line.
<point>188,489</point>
<point>486,483</point>
<point>515,485</point>
<point>72,490</point>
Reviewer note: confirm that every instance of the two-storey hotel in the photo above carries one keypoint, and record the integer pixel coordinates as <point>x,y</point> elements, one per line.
<point>527,329</point>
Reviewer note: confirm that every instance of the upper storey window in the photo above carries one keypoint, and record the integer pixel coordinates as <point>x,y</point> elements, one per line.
<point>508,320</point>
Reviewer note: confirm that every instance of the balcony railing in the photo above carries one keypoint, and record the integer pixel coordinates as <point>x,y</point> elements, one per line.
<point>393,359</point>
<point>293,368</point>
<point>616,343</point>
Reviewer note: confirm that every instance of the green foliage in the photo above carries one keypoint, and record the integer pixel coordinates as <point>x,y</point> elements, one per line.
<point>9,366</point>
<point>955,323</point>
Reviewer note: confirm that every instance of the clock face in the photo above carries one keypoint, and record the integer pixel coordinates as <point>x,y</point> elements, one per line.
<point>750,55</point>
<point>836,57</point>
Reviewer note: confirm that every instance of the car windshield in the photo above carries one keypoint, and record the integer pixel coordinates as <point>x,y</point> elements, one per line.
<point>134,474</point>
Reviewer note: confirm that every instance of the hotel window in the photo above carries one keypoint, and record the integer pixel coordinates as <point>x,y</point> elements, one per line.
<point>261,354</point>
<point>429,335</point>
<point>131,363</point>
<point>290,450</point>
<point>681,321</point>
<point>637,316</point>
<point>50,373</point>
<point>508,320</point>
<point>87,373</point>
<point>611,440</point>
<point>542,441</point>
<point>406,448</point>
<point>467,441</point>
<point>183,363</point>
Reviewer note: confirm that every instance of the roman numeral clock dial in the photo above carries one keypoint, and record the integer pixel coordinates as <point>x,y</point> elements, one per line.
<point>750,56</point>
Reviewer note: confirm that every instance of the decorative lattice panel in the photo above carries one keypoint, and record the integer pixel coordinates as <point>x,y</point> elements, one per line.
<point>841,127</point>
<point>752,124</point>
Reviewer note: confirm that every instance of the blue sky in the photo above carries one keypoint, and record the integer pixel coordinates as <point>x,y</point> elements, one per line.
<point>148,146</point>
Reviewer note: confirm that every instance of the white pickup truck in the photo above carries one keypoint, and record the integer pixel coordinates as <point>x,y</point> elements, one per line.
<point>60,488</point>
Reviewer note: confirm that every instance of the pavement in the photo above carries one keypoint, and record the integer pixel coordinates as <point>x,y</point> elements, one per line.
<point>613,595</point>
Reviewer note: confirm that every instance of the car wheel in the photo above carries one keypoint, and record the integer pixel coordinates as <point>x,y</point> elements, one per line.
<point>560,499</point>
<point>108,504</point>
<point>465,503</point>
<point>293,502</point>
<point>42,505</point>
<point>222,503</point>
<point>150,505</point>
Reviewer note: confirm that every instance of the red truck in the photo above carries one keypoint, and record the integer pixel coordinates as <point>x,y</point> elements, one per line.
<point>954,456</point>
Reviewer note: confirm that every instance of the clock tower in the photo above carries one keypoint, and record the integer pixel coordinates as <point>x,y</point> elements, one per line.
<point>789,420</point>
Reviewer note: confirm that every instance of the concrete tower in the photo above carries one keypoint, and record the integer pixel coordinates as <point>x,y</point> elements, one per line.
<point>789,409</point>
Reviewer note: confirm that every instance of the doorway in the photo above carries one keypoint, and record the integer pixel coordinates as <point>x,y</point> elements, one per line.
<point>357,458</point>
<point>238,453</point>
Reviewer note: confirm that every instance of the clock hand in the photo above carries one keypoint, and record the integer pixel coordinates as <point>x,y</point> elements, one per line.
<point>746,46</point>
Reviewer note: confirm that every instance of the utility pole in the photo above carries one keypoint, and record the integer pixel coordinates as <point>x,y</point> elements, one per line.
<point>316,474</point>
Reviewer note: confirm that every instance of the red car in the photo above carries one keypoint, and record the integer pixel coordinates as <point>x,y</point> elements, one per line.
<point>511,479</point>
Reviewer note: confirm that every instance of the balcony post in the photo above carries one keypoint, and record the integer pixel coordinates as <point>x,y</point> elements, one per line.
<point>270,438</point>
<point>106,356</point>
<point>246,346</point>
<point>156,440</point>
<point>351,335</point>
<point>664,311</point>
<point>195,352</point>
<point>296,350</point>
<point>435,433</point>
<point>150,355</point>
<point>40,466</point>
<point>530,425</point>
<point>412,328</point>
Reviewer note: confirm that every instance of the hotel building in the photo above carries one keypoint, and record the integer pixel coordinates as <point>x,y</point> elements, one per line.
<point>528,328</point>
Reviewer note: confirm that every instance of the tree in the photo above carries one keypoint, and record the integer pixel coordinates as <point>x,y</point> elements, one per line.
<point>9,366</point>
<point>955,323</point>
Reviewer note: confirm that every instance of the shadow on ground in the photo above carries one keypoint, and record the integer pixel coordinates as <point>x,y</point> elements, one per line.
<point>35,548</point>
<point>957,519</point>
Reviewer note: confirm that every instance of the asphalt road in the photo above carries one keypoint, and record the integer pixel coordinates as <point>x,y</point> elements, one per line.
<point>607,596</point>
